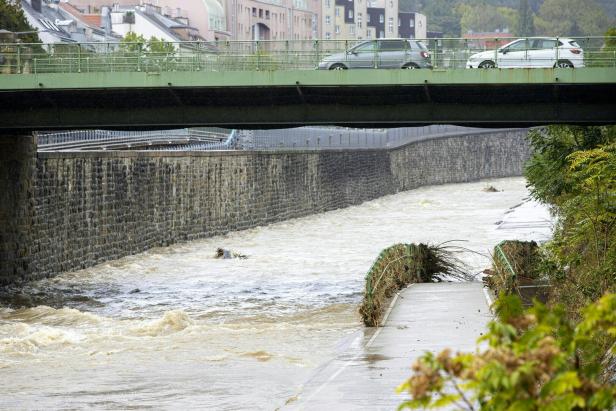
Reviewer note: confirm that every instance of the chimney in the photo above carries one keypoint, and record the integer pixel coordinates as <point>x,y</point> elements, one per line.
<point>106,19</point>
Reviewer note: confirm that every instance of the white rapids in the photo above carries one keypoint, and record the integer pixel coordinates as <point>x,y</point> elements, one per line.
<point>176,328</point>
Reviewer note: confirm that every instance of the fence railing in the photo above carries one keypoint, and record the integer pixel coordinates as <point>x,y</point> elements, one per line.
<point>446,53</point>
<point>205,138</point>
<point>318,138</point>
<point>516,268</point>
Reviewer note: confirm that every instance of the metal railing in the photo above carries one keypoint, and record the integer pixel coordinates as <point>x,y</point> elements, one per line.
<point>205,138</point>
<point>318,138</point>
<point>269,55</point>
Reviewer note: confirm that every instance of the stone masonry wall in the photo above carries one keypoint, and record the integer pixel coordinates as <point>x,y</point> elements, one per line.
<point>89,207</point>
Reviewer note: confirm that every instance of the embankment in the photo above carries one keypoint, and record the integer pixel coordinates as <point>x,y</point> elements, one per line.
<point>83,208</point>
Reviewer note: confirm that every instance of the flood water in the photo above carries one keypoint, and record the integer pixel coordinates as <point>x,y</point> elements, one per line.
<point>176,328</point>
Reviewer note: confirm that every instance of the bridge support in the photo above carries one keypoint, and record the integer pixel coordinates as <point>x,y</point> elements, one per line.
<point>17,171</point>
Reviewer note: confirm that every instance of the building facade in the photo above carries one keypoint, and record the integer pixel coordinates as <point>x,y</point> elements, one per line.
<point>368,19</point>
<point>273,19</point>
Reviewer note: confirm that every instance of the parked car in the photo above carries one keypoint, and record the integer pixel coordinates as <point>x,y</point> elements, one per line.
<point>531,52</point>
<point>382,53</point>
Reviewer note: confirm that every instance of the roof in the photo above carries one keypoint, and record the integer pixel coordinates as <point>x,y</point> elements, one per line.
<point>92,20</point>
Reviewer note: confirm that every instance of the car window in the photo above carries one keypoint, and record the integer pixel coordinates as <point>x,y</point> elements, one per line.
<point>364,47</point>
<point>574,43</point>
<point>419,45</point>
<point>392,45</point>
<point>539,44</point>
<point>517,46</point>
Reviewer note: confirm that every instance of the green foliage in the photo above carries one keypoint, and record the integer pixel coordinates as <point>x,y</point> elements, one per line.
<point>546,169</point>
<point>132,43</point>
<point>525,26</point>
<point>533,362</point>
<point>573,169</point>
<point>610,43</point>
<point>571,18</point>
<point>160,46</point>
<point>483,18</point>
<point>12,18</point>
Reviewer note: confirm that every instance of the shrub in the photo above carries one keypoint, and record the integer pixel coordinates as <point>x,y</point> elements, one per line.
<point>533,361</point>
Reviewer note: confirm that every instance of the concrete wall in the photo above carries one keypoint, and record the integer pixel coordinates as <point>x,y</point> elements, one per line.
<point>91,207</point>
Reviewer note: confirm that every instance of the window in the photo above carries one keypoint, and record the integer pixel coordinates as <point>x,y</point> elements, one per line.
<point>337,30</point>
<point>399,21</point>
<point>369,34</point>
<point>518,46</point>
<point>254,12</point>
<point>328,3</point>
<point>381,18</point>
<point>359,20</point>
<point>368,18</point>
<point>267,14</point>
<point>261,13</point>
<point>381,34</point>
<point>366,47</point>
<point>328,35</point>
<point>337,11</point>
<point>390,24</point>
<point>352,29</point>
<point>392,45</point>
<point>391,4</point>
<point>328,20</point>
<point>412,23</point>
<point>350,13</point>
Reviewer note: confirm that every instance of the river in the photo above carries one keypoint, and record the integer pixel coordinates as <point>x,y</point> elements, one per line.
<point>176,328</point>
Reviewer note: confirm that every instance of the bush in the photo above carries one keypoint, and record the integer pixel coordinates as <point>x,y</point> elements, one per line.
<point>533,362</point>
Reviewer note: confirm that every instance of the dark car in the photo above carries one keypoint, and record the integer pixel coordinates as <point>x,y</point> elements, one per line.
<point>381,53</point>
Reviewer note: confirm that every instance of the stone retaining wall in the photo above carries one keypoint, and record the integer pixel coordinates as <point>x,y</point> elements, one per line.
<point>89,207</point>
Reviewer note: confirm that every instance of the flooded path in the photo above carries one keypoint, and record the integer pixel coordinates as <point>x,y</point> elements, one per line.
<point>176,328</point>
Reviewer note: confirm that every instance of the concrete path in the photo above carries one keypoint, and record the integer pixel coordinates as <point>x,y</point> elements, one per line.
<point>425,317</point>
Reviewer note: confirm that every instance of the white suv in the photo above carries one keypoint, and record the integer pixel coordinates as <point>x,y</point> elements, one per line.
<point>531,52</point>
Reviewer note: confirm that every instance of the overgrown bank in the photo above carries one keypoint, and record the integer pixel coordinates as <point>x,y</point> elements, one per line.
<point>560,355</point>
<point>397,267</point>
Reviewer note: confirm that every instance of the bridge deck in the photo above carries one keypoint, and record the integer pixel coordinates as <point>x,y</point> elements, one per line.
<point>425,317</point>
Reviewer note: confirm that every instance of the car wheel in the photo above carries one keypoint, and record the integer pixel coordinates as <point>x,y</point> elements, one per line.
<point>410,66</point>
<point>563,64</point>
<point>338,66</point>
<point>487,64</point>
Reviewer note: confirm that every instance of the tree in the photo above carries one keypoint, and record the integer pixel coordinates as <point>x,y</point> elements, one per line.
<point>571,18</point>
<point>481,18</point>
<point>160,47</point>
<point>610,42</point>
<point>132,42</point>
<point>525,27</point>
<point>12,18</point>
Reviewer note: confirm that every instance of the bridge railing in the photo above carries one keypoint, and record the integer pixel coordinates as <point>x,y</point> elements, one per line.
<point>270,55</point>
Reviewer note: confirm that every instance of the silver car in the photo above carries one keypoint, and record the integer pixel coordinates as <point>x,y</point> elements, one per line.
<point>382,53</point>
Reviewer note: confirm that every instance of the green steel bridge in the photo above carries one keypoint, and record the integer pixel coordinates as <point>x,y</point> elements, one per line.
<point>269,84</point>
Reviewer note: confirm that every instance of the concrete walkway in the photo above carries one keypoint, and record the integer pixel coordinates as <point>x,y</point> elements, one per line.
<point>425,317</point>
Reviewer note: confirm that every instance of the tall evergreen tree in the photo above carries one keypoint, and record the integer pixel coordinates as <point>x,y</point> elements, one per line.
<point>12,18</point>
<point>525,21</point>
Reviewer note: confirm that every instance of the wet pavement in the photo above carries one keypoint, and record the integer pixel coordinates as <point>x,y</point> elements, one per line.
<point>425,317</point>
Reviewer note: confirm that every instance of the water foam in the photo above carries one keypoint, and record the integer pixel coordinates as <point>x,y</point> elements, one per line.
<point>172,321</point>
